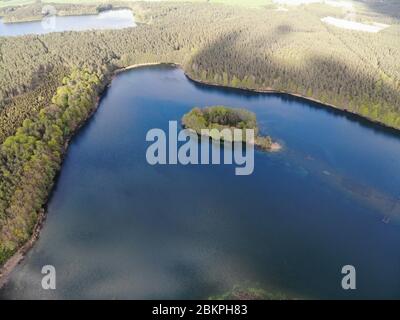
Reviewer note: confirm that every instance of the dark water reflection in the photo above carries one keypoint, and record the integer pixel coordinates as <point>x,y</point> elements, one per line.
<point>120,228</point>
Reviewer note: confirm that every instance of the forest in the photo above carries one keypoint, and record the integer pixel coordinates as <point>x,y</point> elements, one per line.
<point>231,46</point>
<point>49,83</point>
<point>30,159</point>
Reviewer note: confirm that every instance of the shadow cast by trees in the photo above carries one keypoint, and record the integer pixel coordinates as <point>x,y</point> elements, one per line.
<point>270,62</point>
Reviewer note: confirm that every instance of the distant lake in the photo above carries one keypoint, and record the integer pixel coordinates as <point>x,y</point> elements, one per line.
<point>118,227</point>
<point>113,19</point>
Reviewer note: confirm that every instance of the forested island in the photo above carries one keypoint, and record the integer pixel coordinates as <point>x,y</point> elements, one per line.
<point>49,83</point>
<point>225,121</point>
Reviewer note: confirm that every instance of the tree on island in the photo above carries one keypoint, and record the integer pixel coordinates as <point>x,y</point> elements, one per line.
<point>227,119</point>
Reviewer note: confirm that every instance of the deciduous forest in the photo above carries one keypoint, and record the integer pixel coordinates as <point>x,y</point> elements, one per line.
<point>49,83</point>
<point>30,159</point>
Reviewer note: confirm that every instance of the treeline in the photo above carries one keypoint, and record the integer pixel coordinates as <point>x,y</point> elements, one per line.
<point>225,120</point>
<point>259,49</point>
<point>37,11</point>
<point>30,159</point>
<point>27,105</point>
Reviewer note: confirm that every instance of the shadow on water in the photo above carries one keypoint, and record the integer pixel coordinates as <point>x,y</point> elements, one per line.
<point>386,206</point>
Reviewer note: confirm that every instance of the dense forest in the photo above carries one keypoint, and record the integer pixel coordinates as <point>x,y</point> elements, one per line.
<point>221,122</point>
<point>252,48</point>
<point>30,159</point>
<point>48,83</point>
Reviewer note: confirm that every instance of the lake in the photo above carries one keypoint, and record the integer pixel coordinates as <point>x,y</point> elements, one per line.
<point>112,19</point>
<point>118,227</point>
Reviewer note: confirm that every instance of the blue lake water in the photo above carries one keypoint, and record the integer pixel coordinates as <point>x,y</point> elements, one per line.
<point>118,227</point>
<point>113,19</point>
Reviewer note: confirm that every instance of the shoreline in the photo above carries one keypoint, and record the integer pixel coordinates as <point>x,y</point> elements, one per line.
<point>8,267</point>
<point>18,256</point>
<point>14,260</point>
<point>329,106</point>
<point>11,263</point>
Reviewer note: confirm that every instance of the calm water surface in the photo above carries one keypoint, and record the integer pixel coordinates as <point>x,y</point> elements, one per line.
<point>113,19</point>
<point>120,228</point>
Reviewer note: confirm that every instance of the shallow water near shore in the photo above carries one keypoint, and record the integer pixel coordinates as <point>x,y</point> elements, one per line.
<point>120,228</point>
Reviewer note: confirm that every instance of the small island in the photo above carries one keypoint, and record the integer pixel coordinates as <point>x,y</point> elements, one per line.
<point>222,117</point>
<point>246,292</point>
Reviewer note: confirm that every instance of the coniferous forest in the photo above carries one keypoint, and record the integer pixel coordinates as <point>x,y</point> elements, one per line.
<point>49,83</point>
